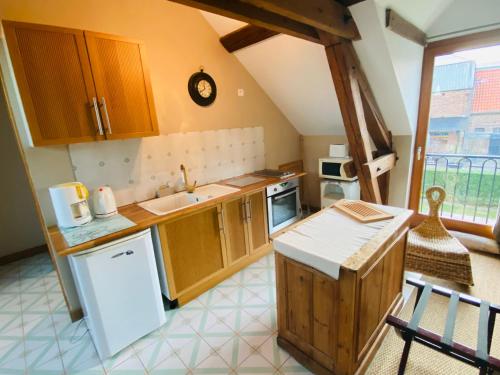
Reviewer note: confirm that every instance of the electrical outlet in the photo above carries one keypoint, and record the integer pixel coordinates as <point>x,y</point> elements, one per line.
<point>241,92</point>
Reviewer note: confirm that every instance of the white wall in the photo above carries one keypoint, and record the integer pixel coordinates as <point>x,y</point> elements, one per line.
<point>465,17</point>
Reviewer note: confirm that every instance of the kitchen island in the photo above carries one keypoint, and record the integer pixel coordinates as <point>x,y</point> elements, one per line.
<point>337,279</point>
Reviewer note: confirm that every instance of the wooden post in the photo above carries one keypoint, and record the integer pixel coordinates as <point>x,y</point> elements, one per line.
<point>363,123</point>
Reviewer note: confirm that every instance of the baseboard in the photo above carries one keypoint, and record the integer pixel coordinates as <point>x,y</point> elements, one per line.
<point>9,258</point>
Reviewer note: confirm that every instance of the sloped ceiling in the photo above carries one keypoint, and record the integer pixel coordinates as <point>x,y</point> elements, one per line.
<point>295,73</point>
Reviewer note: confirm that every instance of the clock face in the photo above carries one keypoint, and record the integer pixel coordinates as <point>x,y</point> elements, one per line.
<point>202,89</point>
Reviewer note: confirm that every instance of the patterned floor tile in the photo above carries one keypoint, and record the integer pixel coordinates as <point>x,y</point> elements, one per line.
<point>256,363</point>
<point>131,366</point>
<point>153,354</point>
<point>291,366</point>
<point>235,351</point>
<point>273,353</point>
<point>230,329</point>
<point>172,365</point>
<point>82,359</point>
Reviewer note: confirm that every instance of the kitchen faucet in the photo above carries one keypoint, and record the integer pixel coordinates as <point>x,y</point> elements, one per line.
<point>189,188</point>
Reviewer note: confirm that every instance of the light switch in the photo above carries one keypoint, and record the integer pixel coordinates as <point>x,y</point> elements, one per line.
<point>241,92</point>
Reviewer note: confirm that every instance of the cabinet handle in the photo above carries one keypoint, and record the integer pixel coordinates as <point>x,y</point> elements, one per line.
<point>222,222</point>
<point>106,114</point>
<point>249,205</point>
<point>243,211</point>
<point>97,115</point>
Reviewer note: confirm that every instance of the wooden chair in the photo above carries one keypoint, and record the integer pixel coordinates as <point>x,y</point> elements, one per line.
<point>410,331</point>
<point>433,251</point>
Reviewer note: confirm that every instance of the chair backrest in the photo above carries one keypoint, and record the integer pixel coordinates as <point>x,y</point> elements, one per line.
<point>432,226</point>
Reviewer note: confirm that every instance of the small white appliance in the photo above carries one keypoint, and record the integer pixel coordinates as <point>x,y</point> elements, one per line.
<point>332,191</point>
<point>70,202</point>
<point>119,291</point>
<point>335,168</point>
<point>339,151</point>
<point>283,204</point>
<point>104,202</point>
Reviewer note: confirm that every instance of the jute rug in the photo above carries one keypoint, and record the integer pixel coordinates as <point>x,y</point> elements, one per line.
<point>422,360</point>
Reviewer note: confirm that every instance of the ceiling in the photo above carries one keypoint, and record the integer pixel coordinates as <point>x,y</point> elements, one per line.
<point>295,73</point>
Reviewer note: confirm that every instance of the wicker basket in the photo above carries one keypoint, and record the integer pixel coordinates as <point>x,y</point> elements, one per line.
<point>433,251</point>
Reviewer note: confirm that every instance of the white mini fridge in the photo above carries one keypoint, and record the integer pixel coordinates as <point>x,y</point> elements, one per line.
<point>119,290</point>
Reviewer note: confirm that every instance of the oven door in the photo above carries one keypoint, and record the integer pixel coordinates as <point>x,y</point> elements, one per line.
<point>283,209</point>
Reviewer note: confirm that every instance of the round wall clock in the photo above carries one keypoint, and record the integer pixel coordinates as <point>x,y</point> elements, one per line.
<point>202,88</point>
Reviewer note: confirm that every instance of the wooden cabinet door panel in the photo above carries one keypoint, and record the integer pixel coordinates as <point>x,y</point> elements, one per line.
<point>123,86</point>
<point>257,213</point>
<point>53,74</point>
<point>235,229</point>
<point>369,303</point>
<point>194,247</point>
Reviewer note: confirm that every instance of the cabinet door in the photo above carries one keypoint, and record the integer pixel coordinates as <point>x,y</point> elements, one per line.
<point>192,248</point>
<point>257,221</point>
<point>53,74</point>
<point>123,86</point>
<point>236,230</point>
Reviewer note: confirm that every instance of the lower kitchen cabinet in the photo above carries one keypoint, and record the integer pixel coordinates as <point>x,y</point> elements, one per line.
<point>257,221</point>
<point>203,248</point>
<point>236,229</point>
<point>193,248</point>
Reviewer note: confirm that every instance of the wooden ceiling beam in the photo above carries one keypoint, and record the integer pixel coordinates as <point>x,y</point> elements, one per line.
<point>327,15</point>
<point>256,16</point>
<point>245,36</point>
<point>404,28</point>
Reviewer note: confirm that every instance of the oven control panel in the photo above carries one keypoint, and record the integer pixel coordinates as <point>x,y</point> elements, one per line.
<point>282,186</point>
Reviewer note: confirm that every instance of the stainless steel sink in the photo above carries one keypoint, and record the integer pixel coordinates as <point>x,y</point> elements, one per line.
<point>175,202</point>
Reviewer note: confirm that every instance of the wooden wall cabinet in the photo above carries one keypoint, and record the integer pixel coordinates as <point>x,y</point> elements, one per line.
<point>79,86</point>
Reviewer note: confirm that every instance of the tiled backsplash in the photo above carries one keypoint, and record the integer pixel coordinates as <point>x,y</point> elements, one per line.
<point>136,168</point>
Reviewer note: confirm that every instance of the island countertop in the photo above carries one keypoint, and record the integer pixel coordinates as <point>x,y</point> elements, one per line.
<point>380,232</point>
<point>145,219</point>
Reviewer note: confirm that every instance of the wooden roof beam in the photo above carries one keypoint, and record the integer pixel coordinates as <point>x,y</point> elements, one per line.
<point>404,28</point>
<point>256,16</point>
<point>327,15</point>
<point>245,36</point>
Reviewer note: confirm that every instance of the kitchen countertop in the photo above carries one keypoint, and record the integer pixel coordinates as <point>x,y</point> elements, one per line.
<point>145,219</point>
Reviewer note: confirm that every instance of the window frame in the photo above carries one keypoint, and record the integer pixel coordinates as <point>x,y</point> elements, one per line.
<point>431,51</point>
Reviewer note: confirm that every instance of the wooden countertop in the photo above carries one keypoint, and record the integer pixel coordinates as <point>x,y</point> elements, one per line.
<point>145,219</point>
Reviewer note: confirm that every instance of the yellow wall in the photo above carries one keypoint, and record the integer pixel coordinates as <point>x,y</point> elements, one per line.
<point>178,41</point>
<point>313,148</point>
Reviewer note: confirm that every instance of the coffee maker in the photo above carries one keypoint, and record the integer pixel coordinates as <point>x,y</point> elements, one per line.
<point>70,202</point>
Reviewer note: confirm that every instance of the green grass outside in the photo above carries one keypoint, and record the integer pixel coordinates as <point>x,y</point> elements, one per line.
<point>465,193</point>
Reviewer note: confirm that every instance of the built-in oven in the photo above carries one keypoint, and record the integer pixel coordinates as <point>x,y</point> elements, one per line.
<point>283,204</point>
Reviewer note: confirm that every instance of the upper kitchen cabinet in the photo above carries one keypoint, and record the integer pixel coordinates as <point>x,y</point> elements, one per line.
<point>123,86</point>
<point>80,86</point>
<point>55,82</point>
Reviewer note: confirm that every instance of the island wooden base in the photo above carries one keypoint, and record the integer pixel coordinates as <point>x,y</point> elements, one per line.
<point>335,326</point>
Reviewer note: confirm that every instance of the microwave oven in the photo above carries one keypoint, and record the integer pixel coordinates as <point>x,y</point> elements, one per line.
<point>335,169</point>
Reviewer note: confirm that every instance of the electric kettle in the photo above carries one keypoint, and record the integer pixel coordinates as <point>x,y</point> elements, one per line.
<point>104,202</point>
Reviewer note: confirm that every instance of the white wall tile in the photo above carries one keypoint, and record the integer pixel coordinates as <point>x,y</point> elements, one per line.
<point>136,168</point>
